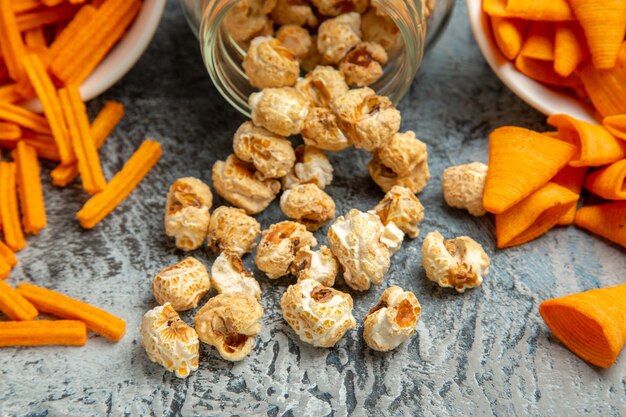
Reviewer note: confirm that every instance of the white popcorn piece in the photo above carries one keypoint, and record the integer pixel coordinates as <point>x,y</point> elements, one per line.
<point>182,285</point>
<point>320,265</point>
<point>268,64</point>
<point>401,207</point>
<point>337,36</point>
<point>309,205</point>
<point>464,185</point>
<point>279,110</point>
<point>229,276</point>
<point>312,167</point>
<point>232,230</point>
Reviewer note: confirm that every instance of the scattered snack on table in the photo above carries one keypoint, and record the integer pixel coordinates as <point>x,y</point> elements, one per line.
<point>268,64</point>
<point>232,230</point>
<point>321,130</point>
<point>590,324</point>
<point>229,276</point>
<point>577,46</point>
<point>401,207</point>
<point>9,211</point>
<point>356,241</point>
<point>369,120</point>
<point>463,187</point>
<point>169,341</point>
<point>319,265</point>
<point>392,320</point>
<point>187,212</point>
<point>279,110</point>
<point>182,285</point>
<point>8,260</point>
<point>319,315</point>
<point>14,306</point>
<point>97,320</point>
<point>272,155</point>
<point>309,205</point>
<point>312,167</point>
<point>230,322</point>
<point>237,183</point>
<point>607,220</point>
<point>42,333</point>
<point>459,263</point>
<point>29,188</point>
<point>279,246</point>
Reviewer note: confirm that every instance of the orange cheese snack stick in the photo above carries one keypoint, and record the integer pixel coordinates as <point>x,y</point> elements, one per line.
<point>609,181</point>
<point>24,118</point>
<point>606,220</point>
<point>5,269</point>
<point>67,36</point>
<point>98,50</point>
<point>39,18</point>
<point>520,162</point>
<point>29,188</point>
<point>7,254</point>
<point>52,302</point>
<point>10,131</point>
<point>102,23</point>
<point>591,324</point>
<point>44,150</point>
<point>84,147</point>
<point>11,43</point>
<point>43,332</point>
<point>20,6</point>
<point>12,229</point>
<point>122,184</point>
<point>509,35</point>
<point>553,10</point>
<point>101,128</point>
<point>52,107</point>
<point>10,93</point>
<point>534,216</point>
<point>14,305</point>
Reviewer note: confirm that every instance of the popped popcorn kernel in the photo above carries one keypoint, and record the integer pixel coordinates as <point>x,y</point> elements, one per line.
<point>232,230</point>
<point>309,205</point>
<point>279,110</point>
<point>268,64</point>
<point>363,65</point>
<point>311,167</point>
<point>401,207</point>
<point>297,39</point>
<point>182,285</point>
<point>337,36</point>
<point>322,85</point>
<point>320,265</point>
<point>294,12</point>
<point>338,7</point>
<point>464,185</point>
<point>229,276</point>
<point>321,130</point>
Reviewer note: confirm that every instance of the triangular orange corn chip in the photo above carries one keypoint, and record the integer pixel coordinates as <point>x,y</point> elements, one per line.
<point>495,7</point>
<point>606,220</point>
<point>509,35</point>
<point>604,23</point>
<point>570,48</point>
<point>534,215</point>
<point>572,179</point>
<point>616,125</point>
<point>544,10</point>
<point>520,162</point>
<point>609,182</point>
<point>543,71</point>
<point>591,324</point>
<point>597,146</point>
<point>539,43</point>
<point>607,88</point>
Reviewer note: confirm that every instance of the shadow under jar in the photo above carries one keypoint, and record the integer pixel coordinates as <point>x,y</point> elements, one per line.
<point>420,23</point>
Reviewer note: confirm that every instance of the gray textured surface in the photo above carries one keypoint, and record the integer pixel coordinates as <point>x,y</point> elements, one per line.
<point>486,352</point>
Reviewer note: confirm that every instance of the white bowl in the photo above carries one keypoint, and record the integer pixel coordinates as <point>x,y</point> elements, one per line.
<point>543,98</point>
<point>123,56</point>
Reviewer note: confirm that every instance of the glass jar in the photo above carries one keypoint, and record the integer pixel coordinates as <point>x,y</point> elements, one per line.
<point>223,57</point>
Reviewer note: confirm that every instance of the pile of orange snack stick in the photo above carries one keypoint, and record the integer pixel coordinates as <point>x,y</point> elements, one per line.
<point>535,180</point>
<point>48,48</point>
<point>23,305</point>
<point>572,44</point>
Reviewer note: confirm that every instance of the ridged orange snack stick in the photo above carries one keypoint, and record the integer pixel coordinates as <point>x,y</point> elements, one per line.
<point>9,212</point>
<point>14,305</point>
<point>42,333</point>
<point>29,188</point>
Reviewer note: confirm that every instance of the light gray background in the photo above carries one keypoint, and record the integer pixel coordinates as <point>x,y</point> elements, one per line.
<point>486,352</point>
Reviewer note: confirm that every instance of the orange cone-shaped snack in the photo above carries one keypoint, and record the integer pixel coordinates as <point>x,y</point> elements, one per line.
<point>606,88</point>
<point>520,162</point>
<point>509,35</point>
<point>570,48</point>
<point>539,43</point>
<point>609,181</point>
<point>543,71</point>
<point>545,10</point>
<point>604,23</point>
<point>591,324</point>
<point>597,146</point>
<point>616,125</point>
<point>534,215</point>
<point>572,179</point>
<point>606,220</point>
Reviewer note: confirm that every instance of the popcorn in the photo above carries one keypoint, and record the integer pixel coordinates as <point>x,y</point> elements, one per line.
<point>460,263</point>
<point>463,187</point>
<point>229,276</point>
<point>337,36</point>
<point>279,110</point>
<point>169,341</point>
<point>279,246</point>
<point>272,155</point>
<point>187,212</point>
<point>319,315</point>
<point>230,322</point>
<point>309,205</point>
<point>290,12</point>
<point>386,178</point>
<point>297,39</point>
<point>320,265</point>
<point>338,7</point>
<point>379,28</point>
<point>363,65</point>
<point>321,130</point>
<point>232,230</point>
<point>322,85</point>
<point>182,285</point>
<point>356,242</point>
<point>312,167</point>
<point>237,183</point>
<point>401,207</point>
<point>268,64</point>
<point>392,321</point>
